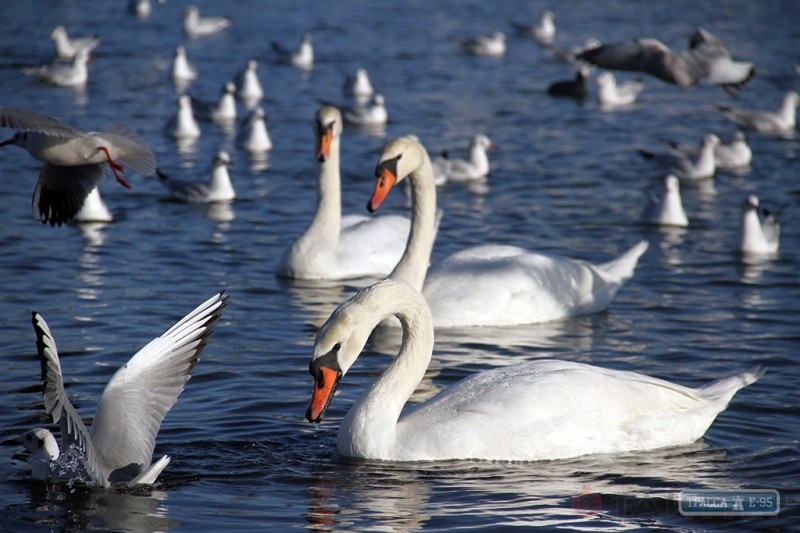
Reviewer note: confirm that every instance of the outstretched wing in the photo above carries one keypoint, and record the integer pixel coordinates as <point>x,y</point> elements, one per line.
<point>61,191</point>
<point>137,398</point>
<point>73,431</point>
<point>641,55</point>
<point>130,148</point>
<point>22,119</point>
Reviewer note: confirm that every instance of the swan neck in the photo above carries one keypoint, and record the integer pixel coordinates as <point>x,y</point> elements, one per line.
<point>328,219</point>
<point>413,266</point>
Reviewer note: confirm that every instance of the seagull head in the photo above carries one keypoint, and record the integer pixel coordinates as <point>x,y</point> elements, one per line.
<point>43,448</point>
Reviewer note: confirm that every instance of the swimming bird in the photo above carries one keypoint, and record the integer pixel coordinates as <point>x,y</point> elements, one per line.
<point>223,111</point>
<point>766,121</point>
<point>74,74</point>
<point>544,32</point>
<point>678,162</point>
<point>94,209</point>
<point>478,165</point>
<point>733,154</point>
<point>74,159</point>
<point>335,246</point>
<point>706,58</point>
<point>667,210</point>
<point>257,139</point>
<point>250,90</point>
<point>140,8</point>
<point>119,446</point>
<point>530,411</point>
<point>490,285</point>
<point>494,46</point>
<point>196,26</point>
<point>302,58</point>
<point>67,48</point>
<point>370,115</point>
<point>611,93</point>
<point>573,88</point>
<point>757,236</point>
<point>182,68</point>
<point>358,86</point>
<point>184,125</point>
<point>219,189</point>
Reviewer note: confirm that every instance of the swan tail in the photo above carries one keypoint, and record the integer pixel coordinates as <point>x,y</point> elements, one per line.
<point>623,265</point>
<point>723,389</point>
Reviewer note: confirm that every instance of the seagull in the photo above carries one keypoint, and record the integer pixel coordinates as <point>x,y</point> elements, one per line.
<point>303,58</point>
<point>73,74</point>
<point>182,69</point>
<point>544,32</point>
<point>757,236</point>
<point>679,163</point>
<point>94,209</point>
<point>257,139</point>
<point>66,48</point>
<point>573,88</point>
<point>478,164</point>
<point>219,189</point>
<point>223,111</point>
<point>119,446</point>
<point>358,86</point>
<point>250,90</point>
<point>184,125</point>
<point>73,159</point>
<point>196,26</point>
<point>668,209</point>
<point>373,115</point>
<point>767,121</point>
<point>734,154</point>
<point>484,46</point>
<point>140,8</point>
<point>706,58</point>
<point>611,93</point>
<point>569,55</point>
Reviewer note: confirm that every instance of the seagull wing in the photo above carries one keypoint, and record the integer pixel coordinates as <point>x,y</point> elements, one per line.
<point>641,55</point>
<point>73,431</point>
<point>130,148</point>
<point>61,191</point>
<point>137,398</point>
<point>22,119</point>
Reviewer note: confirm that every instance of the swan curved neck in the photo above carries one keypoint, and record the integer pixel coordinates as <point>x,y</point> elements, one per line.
<point>413,266</point>
<point>373,419</point>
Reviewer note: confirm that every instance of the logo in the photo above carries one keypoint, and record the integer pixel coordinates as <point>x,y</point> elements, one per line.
<point>744,502</point>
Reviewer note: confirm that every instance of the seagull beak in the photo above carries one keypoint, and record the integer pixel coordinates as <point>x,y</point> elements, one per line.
<point>493,147</point>
<point>324,388</point>
<point>383,185</point>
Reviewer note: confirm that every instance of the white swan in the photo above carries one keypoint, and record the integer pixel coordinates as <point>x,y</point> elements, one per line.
<point>119,446</point>
<point>668,209</point>
<point>536,410</point>
<point>611,93</point>
<point>757,236</point>
<point>490,285</point>
<point>336,247</point>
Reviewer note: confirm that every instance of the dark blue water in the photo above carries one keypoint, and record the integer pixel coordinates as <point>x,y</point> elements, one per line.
<point>566,180</point>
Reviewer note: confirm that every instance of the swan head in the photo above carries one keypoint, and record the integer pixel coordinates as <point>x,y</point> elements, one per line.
<point>327,126</point>
<point>399,158</point>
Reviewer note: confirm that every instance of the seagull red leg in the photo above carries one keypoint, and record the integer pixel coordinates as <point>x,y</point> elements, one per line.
<point>115,167</point>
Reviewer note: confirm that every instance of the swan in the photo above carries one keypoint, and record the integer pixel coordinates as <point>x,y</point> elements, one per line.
<point>679,163</point>
<point>668,209</point>
<point>611,93</point>
<point>767,121</point>
<point>490,285</point>
<point>336,247</point>
<point>757,236</point>
<point>119,446</point>
<point>535,410</point>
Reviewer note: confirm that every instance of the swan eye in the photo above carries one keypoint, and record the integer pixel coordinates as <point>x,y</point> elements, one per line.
<point>29,437</point>
<point>337,347</point>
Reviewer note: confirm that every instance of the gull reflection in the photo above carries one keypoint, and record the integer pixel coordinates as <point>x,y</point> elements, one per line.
<point>752,266</point>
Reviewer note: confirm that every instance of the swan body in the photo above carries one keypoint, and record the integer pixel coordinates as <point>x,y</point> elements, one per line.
<point>678,162</point>
<point>668,209</point>
<point>490,285</point>
<point>196,26</point>
<point>611,93</point>
<point>119,446</point>
<point>757,236</point>
<point>535,410</point>
<point>335,246</point>
<point>257,139</point>
<point>219,189</point>
<point>94,209</point>
<point>182,69</point>
<point>767,121</point>
<point>66,48</point>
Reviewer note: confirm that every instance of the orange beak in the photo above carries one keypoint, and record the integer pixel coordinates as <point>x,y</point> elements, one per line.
<point>324,387</point>
<point>383,185</point>
<point>324,145</point>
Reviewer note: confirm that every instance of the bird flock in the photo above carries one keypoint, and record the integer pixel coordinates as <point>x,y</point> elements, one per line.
<point>543,409</point>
